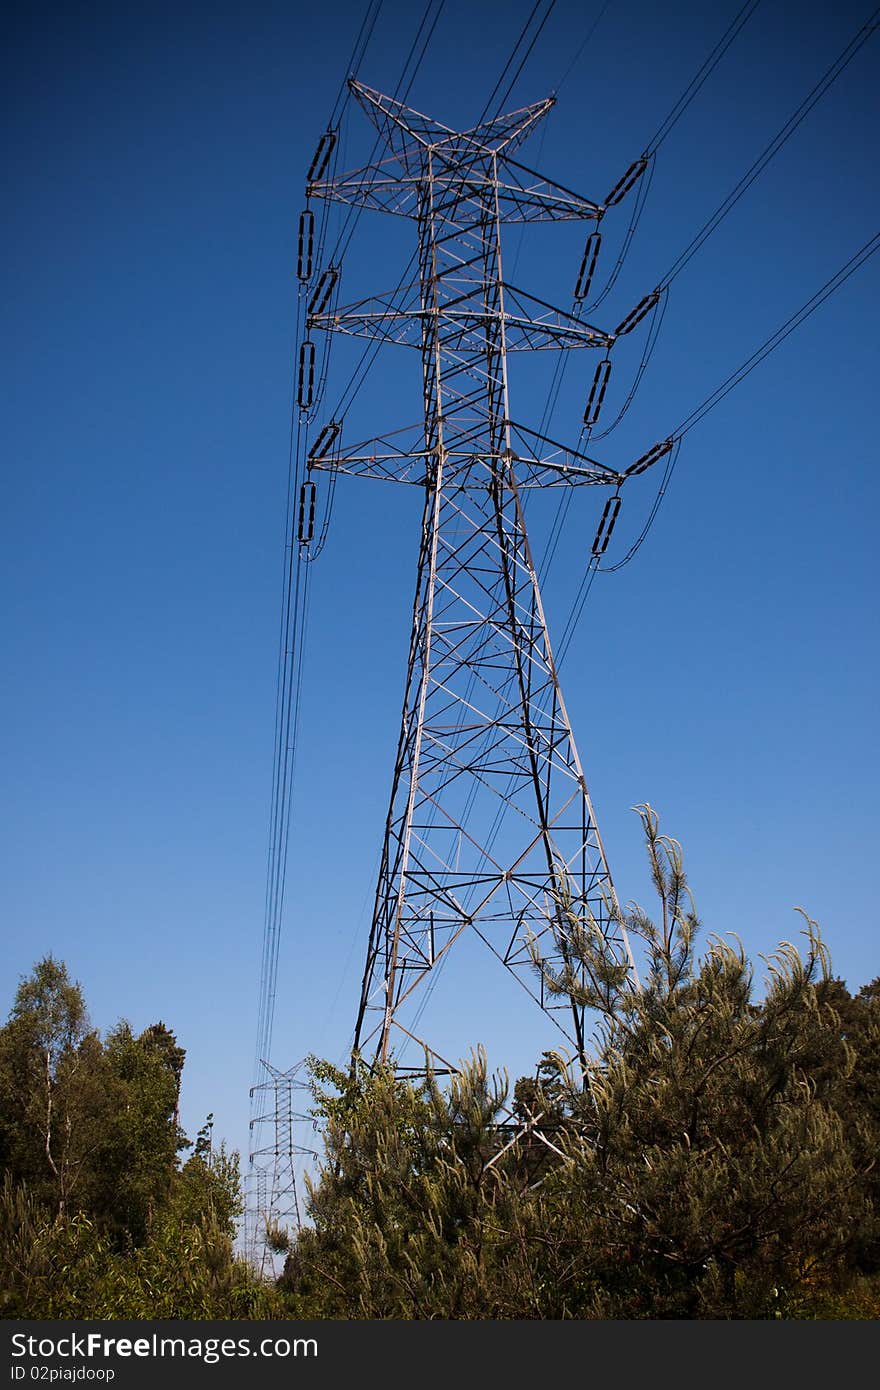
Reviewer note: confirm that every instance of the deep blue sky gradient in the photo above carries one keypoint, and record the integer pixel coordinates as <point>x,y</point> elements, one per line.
<point>155,157</point>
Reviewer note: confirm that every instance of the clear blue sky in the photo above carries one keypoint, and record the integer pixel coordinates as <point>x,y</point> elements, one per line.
<point>155,157</point>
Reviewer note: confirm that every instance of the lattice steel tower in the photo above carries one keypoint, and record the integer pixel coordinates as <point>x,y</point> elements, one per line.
<point>489,805</point>
<point>274,1199</point>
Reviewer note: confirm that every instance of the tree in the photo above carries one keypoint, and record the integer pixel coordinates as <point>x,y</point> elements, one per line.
<point>54,1095</point>
<point>97,1216</point>
<point>135,1161</point>
<point>714,1158</point>
<point>402,1207</point>
<point>712,1171</point>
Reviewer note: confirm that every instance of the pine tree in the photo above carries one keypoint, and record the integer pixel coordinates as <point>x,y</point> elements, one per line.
<point>711,1169</point>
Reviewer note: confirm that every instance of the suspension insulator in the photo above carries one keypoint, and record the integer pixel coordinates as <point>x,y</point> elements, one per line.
<point>326,146</point>
<point>305,245</point>
<point>588,266</point>
<point>636,315</point>
<point>323,290</point>
<point>306,527</point>
<point>658,451</point>
<point>305,387</point>
<point>324,443</point>
<point>606,525</point>
<point>624,184</point>
<point>597,391</point>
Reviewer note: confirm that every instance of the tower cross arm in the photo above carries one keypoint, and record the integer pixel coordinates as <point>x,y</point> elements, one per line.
<point>398,317</point>
<point>527,196</point>
<point>409,132</point>
<point>377,187</point>
<point>548,461</point>
<point>403,456</point>
<point>384,188</point>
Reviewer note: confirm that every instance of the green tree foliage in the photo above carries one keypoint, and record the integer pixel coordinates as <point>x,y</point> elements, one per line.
<point>50,1066</point>
<point>716,1157</point>
<point>406,1199</point>
<point>711,1171</point>
<point>98,1218</point>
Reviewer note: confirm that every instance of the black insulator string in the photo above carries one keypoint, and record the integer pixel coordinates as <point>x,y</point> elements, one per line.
<point>327,208</point>
<point>587,436</point>
<point>562,363</point>
<point>671,460</point>
<point>658,314</point>
<point>635,218</point>
<point>311,555</point>
<point>311,415</point>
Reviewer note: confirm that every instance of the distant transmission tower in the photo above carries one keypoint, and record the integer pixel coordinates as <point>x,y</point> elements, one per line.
<point>489,805</point>
<point>273,1199</point>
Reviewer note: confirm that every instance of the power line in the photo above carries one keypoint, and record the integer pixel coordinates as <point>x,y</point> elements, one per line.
<point>770,344</point>
<point>525,58</point>
<point>773,148</point>
<point>295,598</point>
<point>639,205</point>
<point>350,221</point>
<point>776,144</point>
<point>574,62</point>
<point>361,44</point>
<point>700,76</point>
<point>745,368</point>
<point>510,61</point>
<point>677,111</point>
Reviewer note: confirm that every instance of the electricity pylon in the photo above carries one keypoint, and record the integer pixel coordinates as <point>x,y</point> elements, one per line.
<point>490,813</point>
<point>273,1199</point>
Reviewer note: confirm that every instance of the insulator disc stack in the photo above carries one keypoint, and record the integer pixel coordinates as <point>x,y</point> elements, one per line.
<point>588,266</point>
<point>305,385</point>
<point>597,391</point>
<point>606,526</point>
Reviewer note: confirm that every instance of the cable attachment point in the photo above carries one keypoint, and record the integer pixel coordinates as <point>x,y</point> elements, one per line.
<point>606,525</point>
<point>658,451</point>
